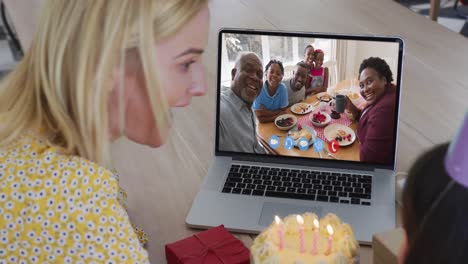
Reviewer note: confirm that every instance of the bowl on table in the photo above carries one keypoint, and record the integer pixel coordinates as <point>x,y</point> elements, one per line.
<point>285,122</point>
<point>320,119</point>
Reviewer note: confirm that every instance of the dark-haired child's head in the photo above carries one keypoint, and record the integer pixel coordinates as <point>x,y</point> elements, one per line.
<point>435,213</point>
<point>274,72</point>
<point>318,58</point>
<point>309,55</point>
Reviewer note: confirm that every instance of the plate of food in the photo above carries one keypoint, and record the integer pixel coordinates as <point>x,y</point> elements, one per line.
<point>343,134</point>
<point>302,108</point>
<point>320,119</point>
<point>324,97</point>
<point>299,132</point>
<point>286,121</point>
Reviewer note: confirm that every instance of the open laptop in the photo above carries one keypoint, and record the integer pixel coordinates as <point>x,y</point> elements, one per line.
<point>244,190</point>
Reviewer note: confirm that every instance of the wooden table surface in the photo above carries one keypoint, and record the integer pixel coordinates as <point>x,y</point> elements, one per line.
<point>161,183</point>
<point>267,130</point>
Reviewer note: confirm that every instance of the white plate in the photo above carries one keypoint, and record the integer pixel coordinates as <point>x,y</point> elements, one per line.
<point>310,129</point>
<point>286,116</point>
<point>324,123</point>
<point>302,108</point>
<point>320,95</point>
<point>331,131</point>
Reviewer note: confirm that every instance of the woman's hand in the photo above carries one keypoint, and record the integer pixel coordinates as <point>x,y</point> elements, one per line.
<point>352,108</point>
<point>267,116</point>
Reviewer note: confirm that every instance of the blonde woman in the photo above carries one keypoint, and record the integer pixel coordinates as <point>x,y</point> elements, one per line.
<point>96,71</point>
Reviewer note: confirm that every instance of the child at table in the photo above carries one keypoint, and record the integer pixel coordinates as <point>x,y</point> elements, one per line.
<point>318,74</point>
<point>273,98</point>
<point>435,210</point>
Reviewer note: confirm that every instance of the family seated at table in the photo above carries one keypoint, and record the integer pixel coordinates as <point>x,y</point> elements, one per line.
<point>247,96</point>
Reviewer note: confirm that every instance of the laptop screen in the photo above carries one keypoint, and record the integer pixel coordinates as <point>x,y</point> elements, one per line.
<point>309,96</point>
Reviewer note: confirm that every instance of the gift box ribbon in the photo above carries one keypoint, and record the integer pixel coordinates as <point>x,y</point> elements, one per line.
<point>213,249</point>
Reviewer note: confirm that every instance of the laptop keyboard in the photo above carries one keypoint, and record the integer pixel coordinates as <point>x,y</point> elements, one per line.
<point>310,185</point>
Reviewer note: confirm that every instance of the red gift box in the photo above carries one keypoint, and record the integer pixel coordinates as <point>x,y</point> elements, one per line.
<point>212,246</point>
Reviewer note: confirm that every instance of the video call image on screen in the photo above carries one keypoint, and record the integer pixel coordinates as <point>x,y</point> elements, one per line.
<point>308,97</point>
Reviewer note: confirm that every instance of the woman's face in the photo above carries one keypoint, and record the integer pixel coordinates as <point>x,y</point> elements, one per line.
<point>274,75</point>
<point>372,85</point>
<point>309,56</point>
<point>181,74</point>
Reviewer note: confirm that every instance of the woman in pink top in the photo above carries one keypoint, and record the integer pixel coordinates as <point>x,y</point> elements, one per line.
<point>318,74</point>
<point>376,121</point>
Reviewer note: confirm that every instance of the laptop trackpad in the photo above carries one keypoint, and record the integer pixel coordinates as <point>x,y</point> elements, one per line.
<point>270,209</point>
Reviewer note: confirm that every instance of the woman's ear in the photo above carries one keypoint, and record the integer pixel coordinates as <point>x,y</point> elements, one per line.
<point>384,79</point>
<point>403,249</point>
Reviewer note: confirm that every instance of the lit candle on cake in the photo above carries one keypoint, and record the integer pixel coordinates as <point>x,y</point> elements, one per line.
<point>345,248</point>
<point>279,226</point>
<point>300,221</point>
<point>330,239</point>
<point>316,235</point>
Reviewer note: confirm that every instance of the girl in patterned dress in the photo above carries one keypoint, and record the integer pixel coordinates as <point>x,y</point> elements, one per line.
<point>96,71</point>
<point>318,74</point>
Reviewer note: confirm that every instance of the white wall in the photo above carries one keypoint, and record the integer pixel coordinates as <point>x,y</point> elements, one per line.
<point>357,51</point>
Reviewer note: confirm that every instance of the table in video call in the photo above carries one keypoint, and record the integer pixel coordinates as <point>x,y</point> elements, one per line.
<point>267,130</point>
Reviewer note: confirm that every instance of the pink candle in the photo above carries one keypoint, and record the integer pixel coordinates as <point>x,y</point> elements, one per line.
<point>300,221</point>
<point>316,235</point>
<point>279,226</point>
<point>330,239</point>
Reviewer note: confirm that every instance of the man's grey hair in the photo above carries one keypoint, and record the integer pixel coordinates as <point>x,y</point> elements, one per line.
<point>241,55</point>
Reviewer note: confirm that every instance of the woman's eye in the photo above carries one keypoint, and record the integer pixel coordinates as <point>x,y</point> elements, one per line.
<point>369,82</point>
<point>186,66</point>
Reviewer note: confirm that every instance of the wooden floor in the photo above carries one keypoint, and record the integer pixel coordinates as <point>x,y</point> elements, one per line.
<point>162,183</point>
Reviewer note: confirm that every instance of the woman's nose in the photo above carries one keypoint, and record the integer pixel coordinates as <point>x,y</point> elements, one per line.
<point>198,89</point>
<point>199,86</point>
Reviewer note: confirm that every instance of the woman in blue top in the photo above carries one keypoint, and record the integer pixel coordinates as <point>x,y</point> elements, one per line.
<point>273,99</point>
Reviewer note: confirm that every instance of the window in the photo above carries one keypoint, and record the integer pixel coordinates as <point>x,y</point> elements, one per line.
<point>288,50</point>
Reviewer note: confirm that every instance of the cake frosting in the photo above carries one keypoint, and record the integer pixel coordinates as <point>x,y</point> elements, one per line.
<point>344,250</point>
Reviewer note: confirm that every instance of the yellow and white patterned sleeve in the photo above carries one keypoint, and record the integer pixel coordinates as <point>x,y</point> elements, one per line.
<point>78,219</point>
<point>107,233</point>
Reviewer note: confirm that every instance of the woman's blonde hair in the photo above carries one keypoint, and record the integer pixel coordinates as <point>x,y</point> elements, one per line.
<point>62,84</point>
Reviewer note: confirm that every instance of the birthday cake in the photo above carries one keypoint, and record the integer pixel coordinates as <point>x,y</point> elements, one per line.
<point>306,239</point>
